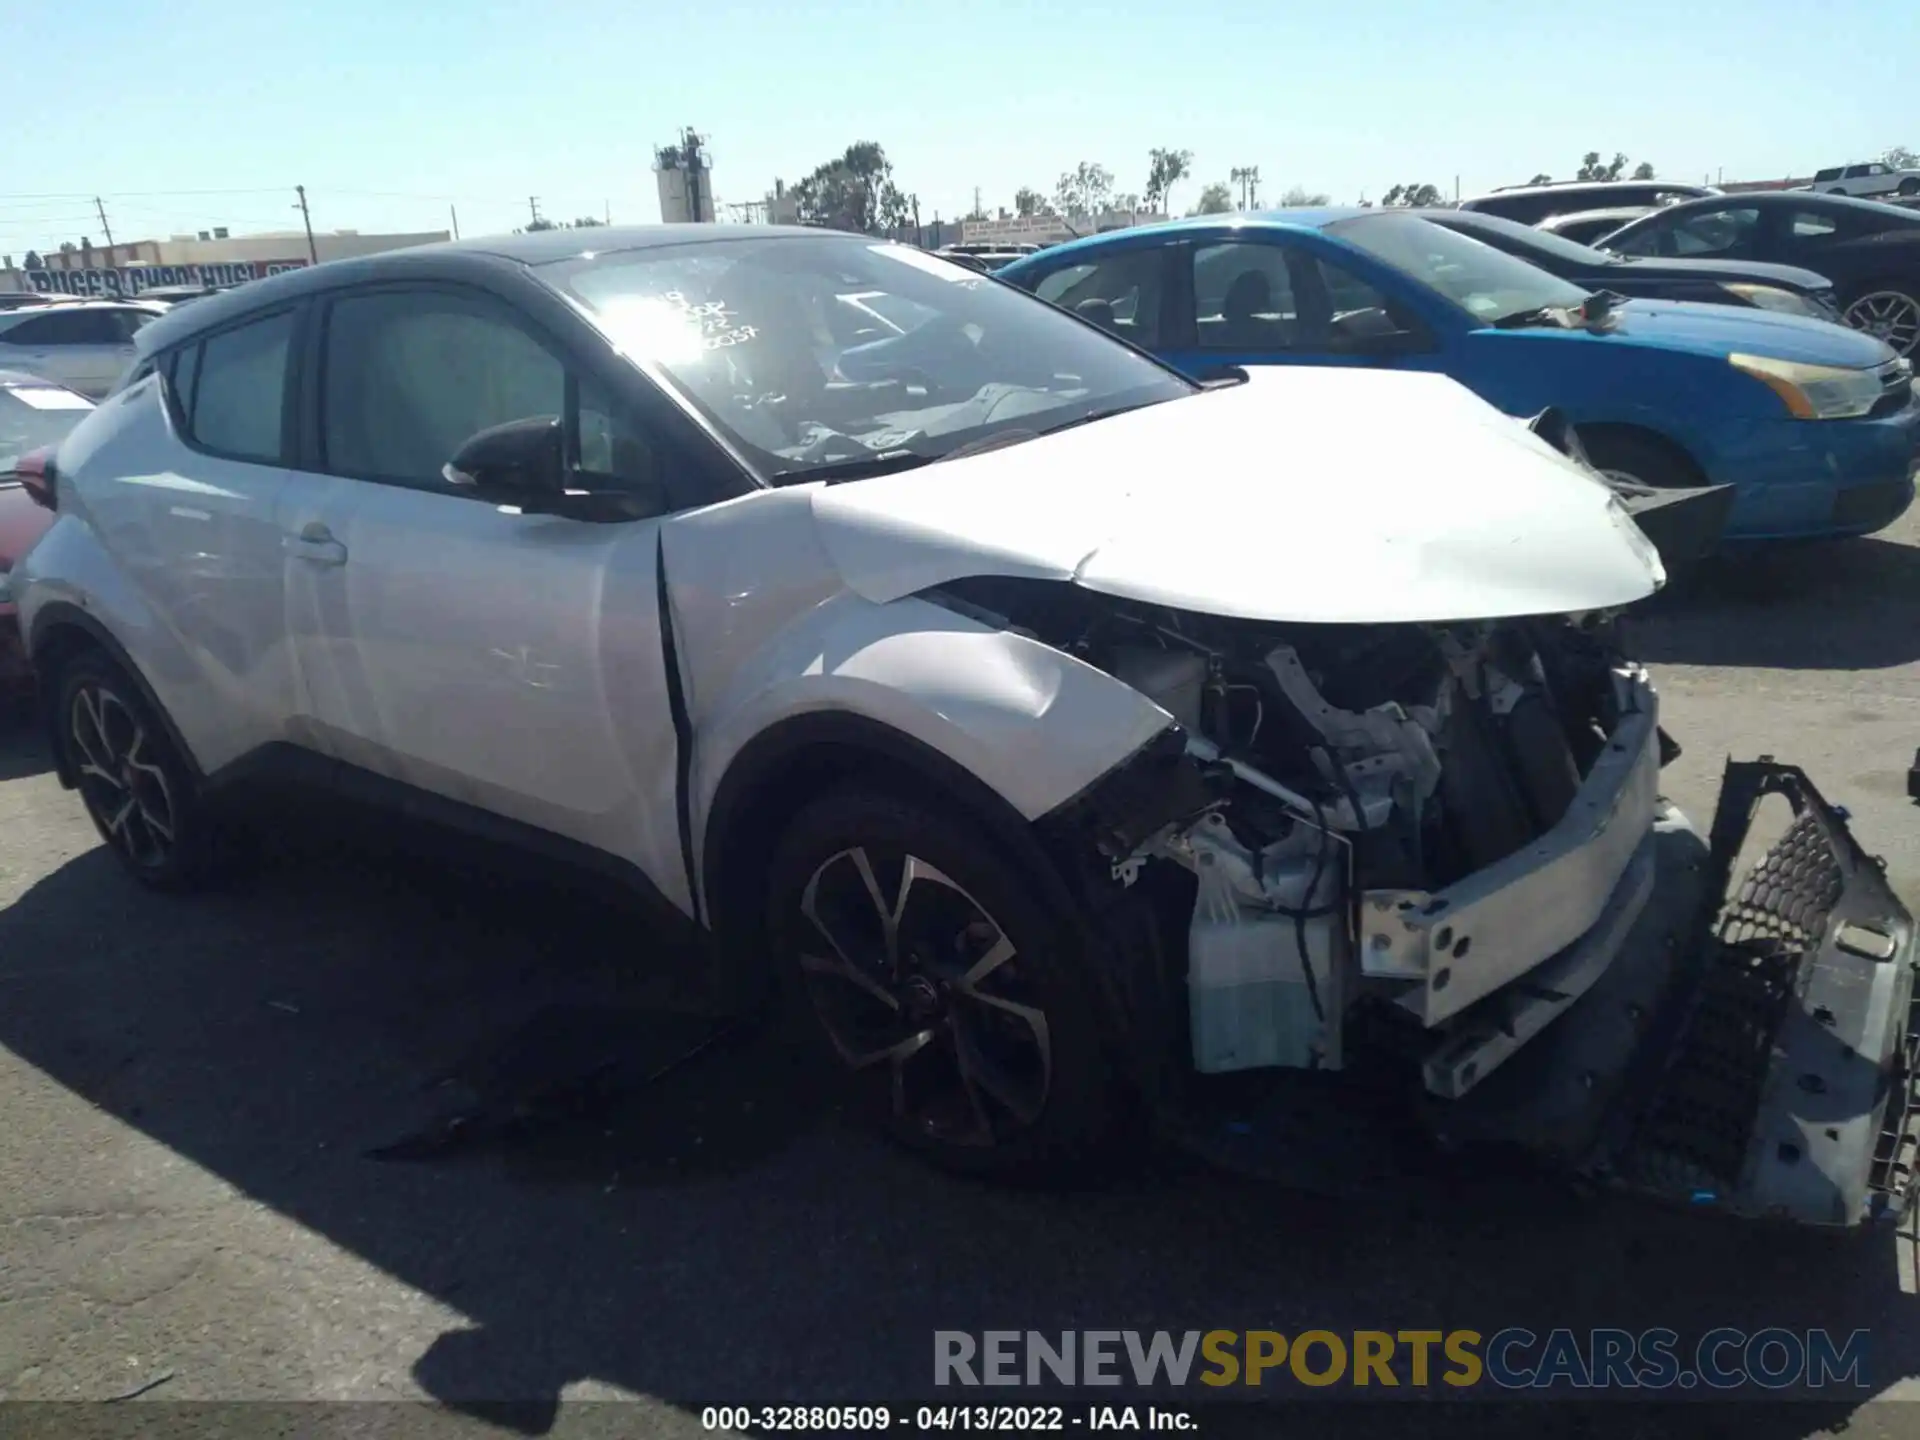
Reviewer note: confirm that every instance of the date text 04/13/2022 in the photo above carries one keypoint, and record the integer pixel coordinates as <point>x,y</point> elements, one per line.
<point>998,1419</point>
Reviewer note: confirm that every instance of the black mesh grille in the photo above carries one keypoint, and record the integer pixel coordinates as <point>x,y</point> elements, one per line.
<point>1697,1131</point>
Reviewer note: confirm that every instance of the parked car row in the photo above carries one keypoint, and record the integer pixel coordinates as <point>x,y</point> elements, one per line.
<point>1068,719</point>
<point>1813,424</point>
<point>1865,249</point>
<point>35,415</point>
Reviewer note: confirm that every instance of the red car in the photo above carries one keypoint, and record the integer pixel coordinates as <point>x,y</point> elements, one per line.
<point>34,413</point>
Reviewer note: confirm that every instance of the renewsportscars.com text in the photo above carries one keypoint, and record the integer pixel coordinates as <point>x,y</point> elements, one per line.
<point>1510,1359</point>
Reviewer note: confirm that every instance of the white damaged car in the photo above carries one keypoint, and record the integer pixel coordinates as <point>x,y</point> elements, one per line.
<point>1066,739</point>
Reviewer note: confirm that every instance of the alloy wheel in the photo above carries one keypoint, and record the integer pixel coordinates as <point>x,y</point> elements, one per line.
<point>1889,315</point>
<point>121,779</point>
<point>913,979</point>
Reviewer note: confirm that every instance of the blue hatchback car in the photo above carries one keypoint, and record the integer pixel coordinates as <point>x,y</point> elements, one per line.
<point>1814,424</point>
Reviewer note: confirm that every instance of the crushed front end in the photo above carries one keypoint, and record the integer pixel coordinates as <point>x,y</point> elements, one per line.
<point>1420,880</point>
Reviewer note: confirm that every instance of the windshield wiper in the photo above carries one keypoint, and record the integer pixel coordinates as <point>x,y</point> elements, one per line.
<point>857,467</point>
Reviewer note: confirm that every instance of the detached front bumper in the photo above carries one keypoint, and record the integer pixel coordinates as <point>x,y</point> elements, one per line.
<point>1754,1051</point>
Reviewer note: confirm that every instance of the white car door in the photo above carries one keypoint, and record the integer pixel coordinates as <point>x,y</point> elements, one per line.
<point>510,662</point>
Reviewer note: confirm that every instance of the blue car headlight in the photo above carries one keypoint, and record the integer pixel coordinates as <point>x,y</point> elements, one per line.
<point>1814,392</point>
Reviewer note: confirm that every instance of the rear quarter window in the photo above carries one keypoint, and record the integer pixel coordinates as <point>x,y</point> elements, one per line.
<point>229,389</point>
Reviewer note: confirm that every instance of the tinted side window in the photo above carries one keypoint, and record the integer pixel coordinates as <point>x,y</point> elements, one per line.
<point>127,322</point>
<point>1831,173</point>
<point>1717,232</point>
<point>1243,298</point>
<point>1813,225</point>
<point>1120,292</point>
<point>53,329</point>
<point>409,376</point>
<point>240,388</point>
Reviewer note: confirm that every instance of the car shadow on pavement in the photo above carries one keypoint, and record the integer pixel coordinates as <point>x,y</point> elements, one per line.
<point>508,1098</point>
<point>1842,605</point>
<point>23,746</point>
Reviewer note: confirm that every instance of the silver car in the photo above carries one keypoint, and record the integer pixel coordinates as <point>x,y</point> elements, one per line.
<point>85,346</point>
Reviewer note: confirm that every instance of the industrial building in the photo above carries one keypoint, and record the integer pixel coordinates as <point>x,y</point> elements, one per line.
<point>212,257</point>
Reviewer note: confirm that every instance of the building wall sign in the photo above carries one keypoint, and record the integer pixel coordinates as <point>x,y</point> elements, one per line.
<point>129,280</point>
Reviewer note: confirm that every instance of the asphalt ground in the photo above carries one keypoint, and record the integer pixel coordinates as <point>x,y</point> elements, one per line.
<point>196,1096</point>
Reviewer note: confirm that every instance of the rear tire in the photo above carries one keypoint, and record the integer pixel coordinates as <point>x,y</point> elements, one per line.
<point>139,792</point>
<point>1910,186</point>
<point>925,970</point>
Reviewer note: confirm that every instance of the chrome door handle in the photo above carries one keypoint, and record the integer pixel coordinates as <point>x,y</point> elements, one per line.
<point>316,543</point>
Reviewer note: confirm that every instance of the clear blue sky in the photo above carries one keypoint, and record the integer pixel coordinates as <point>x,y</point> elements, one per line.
<point>387,110</point>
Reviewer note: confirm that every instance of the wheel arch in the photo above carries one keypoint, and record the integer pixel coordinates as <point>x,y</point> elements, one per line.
<point>1650,435</point>
<point>62,630</point>
<point>797,759</point>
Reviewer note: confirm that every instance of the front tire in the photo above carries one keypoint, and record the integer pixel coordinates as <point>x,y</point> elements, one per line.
<point>138,790</point>
<point>1638,459</point>
<point>929,973</point>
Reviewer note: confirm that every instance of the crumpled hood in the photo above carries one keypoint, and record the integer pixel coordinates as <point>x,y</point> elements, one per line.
<point>1309,494</point>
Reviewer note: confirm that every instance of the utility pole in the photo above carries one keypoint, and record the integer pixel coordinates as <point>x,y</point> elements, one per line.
<point>101,211</point>
<point>606,211</point>
<point>313,251</point>
<point>533,209</point>
<point>454,216</point>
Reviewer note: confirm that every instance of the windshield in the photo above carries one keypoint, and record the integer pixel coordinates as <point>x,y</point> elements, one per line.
<point>1487,283</point>
<point>36,415</point>
<point>1516,238</point>
<point>819,351</point>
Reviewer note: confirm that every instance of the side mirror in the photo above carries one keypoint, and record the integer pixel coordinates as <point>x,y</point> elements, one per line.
<point>522,459</point>
<point>523,463</point>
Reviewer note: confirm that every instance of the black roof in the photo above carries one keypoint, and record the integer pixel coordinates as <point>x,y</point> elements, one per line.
<point>542,247</point>
<point>1797,200</point>
<point>1552,187</point>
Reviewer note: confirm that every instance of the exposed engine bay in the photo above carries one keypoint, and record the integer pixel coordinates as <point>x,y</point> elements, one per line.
<point>1352,777</point>
<point>1402,852</point>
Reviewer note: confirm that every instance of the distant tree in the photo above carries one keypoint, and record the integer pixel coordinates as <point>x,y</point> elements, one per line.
<point>587,222</point>
<point>1592,168</point>
<point>1165,169</point>
<point>1300,195</point>
<point>1028,201</point>
<point>1084,190</point>
<point>1643,171</point>
<point>1901,158</point>
<point>1412,195</point>
<point>1541,179</point>
<point>854,191</point>
<point>1126,201</point>
<point>533,226</point>
<point>1215,199</point>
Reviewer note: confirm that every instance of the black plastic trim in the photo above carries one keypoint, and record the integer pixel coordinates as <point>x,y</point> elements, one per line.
<point>761,759</point>
<point>280,765</point>
<point>682,723</point>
